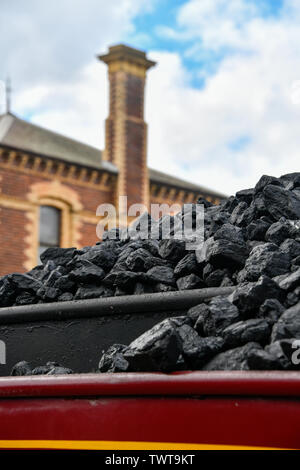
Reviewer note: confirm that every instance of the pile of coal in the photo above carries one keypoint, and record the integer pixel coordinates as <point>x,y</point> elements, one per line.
<point>217,335</point>
<point>251,242</point>
<point>51,368</point>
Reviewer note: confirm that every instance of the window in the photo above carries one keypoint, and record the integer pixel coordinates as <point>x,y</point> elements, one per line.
<point>49,228</point>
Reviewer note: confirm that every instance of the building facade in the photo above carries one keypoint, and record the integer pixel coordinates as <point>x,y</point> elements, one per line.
<point>51,185</point>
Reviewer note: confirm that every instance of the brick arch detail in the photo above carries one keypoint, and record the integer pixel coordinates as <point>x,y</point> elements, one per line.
<point>56,191</point>
<point>65,199</point>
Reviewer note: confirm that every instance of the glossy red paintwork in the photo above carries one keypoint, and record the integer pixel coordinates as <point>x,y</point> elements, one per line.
<point>243,408</point>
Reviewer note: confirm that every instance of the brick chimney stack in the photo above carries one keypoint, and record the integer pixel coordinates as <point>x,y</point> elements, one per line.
<point>125,128</point>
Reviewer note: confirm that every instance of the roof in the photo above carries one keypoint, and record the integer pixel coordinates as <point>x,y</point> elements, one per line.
<point>23,135</point>
<point>20,134</point>
<point>164,178</point>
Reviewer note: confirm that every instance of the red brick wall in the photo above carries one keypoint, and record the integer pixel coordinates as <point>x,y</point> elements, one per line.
<point>12,244</point>
<point>135,161</point>
<point>135,96</point>
<point>88,234</point>
<point>15,185</point>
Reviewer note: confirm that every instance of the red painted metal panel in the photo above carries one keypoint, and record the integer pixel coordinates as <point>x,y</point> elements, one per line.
<point>247,409</point>
<point>250,422</point>
<point>180,383</point>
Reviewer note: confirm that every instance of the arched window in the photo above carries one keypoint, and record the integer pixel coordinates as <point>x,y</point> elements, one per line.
<point>50,228</point>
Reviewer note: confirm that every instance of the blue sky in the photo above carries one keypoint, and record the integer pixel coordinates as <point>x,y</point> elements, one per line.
<point>147,34</point>
<point>222,104</point>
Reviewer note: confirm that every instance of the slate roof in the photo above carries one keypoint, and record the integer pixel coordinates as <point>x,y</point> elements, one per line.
<point>20,134</point>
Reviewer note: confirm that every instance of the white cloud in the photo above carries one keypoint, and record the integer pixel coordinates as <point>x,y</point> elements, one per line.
<point>44,41</point>
<point>251,95</point>
<point>198,134</point>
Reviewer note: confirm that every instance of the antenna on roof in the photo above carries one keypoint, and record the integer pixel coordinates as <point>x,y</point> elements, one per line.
<point>8,91</point>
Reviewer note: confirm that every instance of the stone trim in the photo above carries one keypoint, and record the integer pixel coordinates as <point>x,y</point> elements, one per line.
<point>48,168</point>
<point>162,193</point>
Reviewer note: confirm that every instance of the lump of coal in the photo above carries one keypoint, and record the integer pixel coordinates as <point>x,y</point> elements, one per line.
<point>285,353</point>
<point>189,282</point>
<point>59,256</point>
<point>21,368</point>
<point>162,274</point>
<point>248,297</point>
<point>255,329</point>
<point>289,281</point>
<point>196,351</point>
<point>257,229</point>
<point>288,325</point>
<point>187,265</point>
<point>172,249</point>
<point>226,254</point>
<point>271,309</point>
<point>260,359</point>
<point>51,368</point>
<point>280,231</point>
<point>233,359</point>
<point>281,202</point>
<point>158,349</point>
<point>265,259</point>
<point>213,318</point>
<point>113,360</point>
<point>87,272</point>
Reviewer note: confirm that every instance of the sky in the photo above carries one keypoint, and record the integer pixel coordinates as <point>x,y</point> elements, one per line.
<point>222,103</point>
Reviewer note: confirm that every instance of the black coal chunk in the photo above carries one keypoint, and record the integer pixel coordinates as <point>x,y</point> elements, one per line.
<point>257,230</point>
<point>51,368</point>
<point>271,309</point>
<point>255,329</point>
<point>286,353</point>
<point>288,325</point>
<point>59,256</point>
<point>87,272</point>
<point>113,359</point>
<point>189,282</point>
<point>291,248</point>
<point>172,249</point>
<point>281,202</point>
<point>158,349</point>
<point>187,265</point>
<point>215,317</point>
<point>163,274</point>
<point>259,359</point>
<point>248,297</point>
<point>126,280</point>
<point>223,253</point>
<point>21,368</point>
<point>104,256</point>
<point>25,299</point>
<point>196,351</point>
<point>289,281</point>
<point>233,359</point>
<point>142,260</point>
<point>215,277</point>
<point>265,259</point>
<point>280,231</point>
<point>93,292</point>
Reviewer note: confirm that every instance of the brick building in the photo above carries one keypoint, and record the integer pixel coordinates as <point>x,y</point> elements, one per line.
<point>51,185</point>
